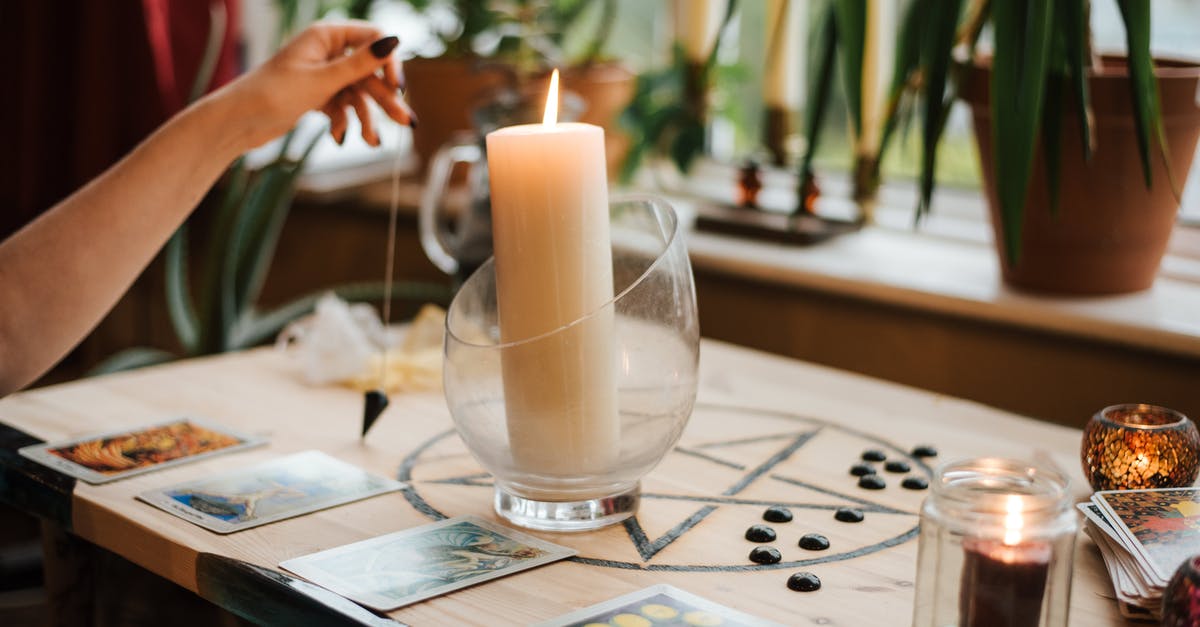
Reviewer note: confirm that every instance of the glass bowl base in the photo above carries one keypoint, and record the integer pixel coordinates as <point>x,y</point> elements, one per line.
<point>583,515</point>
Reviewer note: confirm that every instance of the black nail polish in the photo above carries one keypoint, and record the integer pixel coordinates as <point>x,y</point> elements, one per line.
<point>383,47</point>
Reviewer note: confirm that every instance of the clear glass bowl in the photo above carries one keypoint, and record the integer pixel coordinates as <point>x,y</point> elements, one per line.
<point>568,422</point>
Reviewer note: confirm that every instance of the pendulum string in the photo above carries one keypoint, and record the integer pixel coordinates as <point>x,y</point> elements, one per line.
<point>391,260</point>
<point>376,400</point>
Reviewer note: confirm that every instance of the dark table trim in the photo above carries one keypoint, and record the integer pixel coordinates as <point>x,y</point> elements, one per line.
<point>30,486</point>
<point>271,597</point>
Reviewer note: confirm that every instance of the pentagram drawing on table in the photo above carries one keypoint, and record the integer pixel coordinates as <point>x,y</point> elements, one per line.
<point>731,464</point>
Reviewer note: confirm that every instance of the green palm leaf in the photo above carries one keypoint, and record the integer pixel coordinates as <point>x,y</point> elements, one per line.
<point>1071,19</point>
<point>823,43</point>
<point>180,307</point>
<point>1022,40</point>
<point>935,65</point>
<point>1147,116</point>
<point>851,20</point>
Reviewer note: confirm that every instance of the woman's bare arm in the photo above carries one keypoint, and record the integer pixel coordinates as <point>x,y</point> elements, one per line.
<point>62,273</point>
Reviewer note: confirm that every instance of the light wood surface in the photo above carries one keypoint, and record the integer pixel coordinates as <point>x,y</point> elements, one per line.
<point>753,409</point>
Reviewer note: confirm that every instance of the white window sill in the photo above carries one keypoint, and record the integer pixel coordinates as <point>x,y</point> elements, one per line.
<point>950,267</point>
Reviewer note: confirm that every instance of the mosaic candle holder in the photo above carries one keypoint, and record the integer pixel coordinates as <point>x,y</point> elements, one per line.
<point>1136,446</point>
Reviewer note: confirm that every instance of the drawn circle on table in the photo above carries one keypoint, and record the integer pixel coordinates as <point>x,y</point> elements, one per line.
<point>768,469</point>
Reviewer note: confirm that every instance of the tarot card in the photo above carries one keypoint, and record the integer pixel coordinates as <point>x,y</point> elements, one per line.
<point>1161,528</point>
<point>1092,512</point>
<point>268,492</point>
<point>119,454</point>
<point>400,568</point>
<point>660,605</point>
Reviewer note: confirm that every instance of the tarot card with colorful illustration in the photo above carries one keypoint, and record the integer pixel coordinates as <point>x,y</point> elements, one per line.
<point>400,568</point>
<point>269,492</point>
<point>661,606</point>
<point>1161,528</point>
<point>128,452</point>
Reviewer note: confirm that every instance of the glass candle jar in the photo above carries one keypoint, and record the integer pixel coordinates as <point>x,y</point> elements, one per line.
<point>996,545</point>
<point>1136,446</point>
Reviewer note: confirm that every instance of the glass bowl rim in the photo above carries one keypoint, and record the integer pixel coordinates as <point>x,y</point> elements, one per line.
<point>1103,415</point>
<point>649,199</point>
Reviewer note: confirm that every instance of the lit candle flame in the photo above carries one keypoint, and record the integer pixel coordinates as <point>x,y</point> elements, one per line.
<point>551,114</point>
<point>1013,521</point>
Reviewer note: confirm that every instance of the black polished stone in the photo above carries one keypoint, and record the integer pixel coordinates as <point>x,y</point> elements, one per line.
<point>765,555</point>
<point>872,482</point>
<point>897,465</point>
<point>814,542</point>
<point>760,533</point>
<point>873,455</point>
<point>848,515</point>
<point>915,483</point>
<point>859,470</point>
<point>924,450</point>
<point>777,515</point>
<point>804,582</point>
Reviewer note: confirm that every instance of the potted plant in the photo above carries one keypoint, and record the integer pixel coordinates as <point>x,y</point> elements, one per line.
<point>670,105</point>
<point>1057,126</point>
<point>496,45</point>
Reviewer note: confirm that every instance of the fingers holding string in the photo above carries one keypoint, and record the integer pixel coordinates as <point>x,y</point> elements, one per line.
<point>335,109</point>
<point>358,99</point>
<point>388,100</point>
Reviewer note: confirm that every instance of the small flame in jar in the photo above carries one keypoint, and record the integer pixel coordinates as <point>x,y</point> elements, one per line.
<point>551,115</point>
<point>1013,521</point>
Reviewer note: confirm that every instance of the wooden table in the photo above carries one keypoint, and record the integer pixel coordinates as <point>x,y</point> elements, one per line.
<point>765,430</point>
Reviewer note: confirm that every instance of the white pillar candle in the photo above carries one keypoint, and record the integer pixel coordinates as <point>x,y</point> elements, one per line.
<point>696,24</point>
<point>878,47</point>
<point>553,259</point>
<point>784,71</point>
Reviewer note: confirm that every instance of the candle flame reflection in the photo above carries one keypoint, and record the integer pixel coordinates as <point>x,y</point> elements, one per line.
<point>1013,521</point>
<point>551,115</point>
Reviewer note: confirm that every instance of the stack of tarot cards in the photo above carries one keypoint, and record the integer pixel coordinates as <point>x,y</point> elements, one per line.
<point>1143,536</point>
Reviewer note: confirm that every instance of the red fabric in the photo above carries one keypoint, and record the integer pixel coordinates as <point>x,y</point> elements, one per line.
<point>81,88</point>
<point>178,32</point>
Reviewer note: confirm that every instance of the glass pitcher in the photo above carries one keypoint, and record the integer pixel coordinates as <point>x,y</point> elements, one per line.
<point>460,250</point>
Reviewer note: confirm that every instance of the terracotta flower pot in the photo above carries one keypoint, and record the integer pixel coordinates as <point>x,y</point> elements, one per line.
<point>606,89</point>
<point>1111,231</point>
<point>443,91</point>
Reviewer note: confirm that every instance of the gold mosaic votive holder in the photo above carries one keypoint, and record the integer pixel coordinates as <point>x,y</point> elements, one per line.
<point>1136,446</point>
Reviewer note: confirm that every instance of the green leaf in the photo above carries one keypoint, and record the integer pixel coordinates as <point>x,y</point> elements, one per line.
<point>851,20</point>
<point>210,308</point>
<point>687,145</point>
<point>823,46</point>
<point>1147,116</point>
<point>258,202</point>
<point>1021,30</point>
<point>1071,20</point>
<point>908,50</point>
<point>1052,138</point>
<point>178,287</point>
<point>938,41</point>
<point>217,19</point>
<point>711,61</point>
<point>130,359</point>
<point>267,239</point>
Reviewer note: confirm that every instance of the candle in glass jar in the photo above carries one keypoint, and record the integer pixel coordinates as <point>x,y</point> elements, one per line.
<point>553,260</point>
<point>1003,582</point>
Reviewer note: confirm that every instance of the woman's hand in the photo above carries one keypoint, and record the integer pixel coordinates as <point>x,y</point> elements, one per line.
<point>328,67</point>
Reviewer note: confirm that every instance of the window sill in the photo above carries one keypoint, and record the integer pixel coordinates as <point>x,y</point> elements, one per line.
<point>961,277</point>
